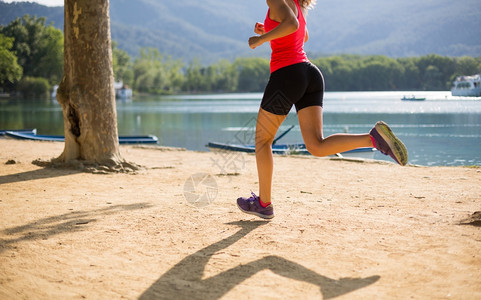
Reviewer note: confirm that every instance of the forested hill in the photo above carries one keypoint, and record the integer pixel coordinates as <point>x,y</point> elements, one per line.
<point>213,29</point>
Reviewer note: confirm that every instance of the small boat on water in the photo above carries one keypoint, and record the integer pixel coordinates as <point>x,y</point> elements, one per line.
<point>54,92</point>
<point>122,91</point>
<point>30,135</point>
<point>467,86</point>
<point>290,149</point>
<point>412,98</point>
<point>27,131</point>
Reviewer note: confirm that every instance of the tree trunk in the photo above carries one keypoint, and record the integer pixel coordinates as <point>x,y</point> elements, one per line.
<point>86,93</point>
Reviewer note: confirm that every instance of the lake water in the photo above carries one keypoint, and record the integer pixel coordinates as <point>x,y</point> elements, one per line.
<point>441,131</point>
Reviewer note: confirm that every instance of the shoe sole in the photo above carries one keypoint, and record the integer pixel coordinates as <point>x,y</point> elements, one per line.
<point>398,148</point>
<point>256,213</point>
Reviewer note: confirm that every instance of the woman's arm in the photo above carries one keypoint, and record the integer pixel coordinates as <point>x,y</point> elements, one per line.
<point>288,23</point>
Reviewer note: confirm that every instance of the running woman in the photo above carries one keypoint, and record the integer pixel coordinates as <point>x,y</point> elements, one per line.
<point>296,81</point>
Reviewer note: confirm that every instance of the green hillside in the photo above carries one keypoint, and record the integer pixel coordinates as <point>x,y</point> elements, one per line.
<point>213,29</point>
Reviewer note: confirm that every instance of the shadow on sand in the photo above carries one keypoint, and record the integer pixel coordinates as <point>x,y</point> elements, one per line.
<point>184,280</point>
<point>65,223</point>
<point>36,174</point>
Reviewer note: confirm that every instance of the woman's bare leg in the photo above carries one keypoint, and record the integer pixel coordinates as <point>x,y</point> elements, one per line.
<point>310,121</point>
<point>266,129</point>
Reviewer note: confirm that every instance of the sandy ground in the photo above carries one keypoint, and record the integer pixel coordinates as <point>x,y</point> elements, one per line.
<point>343,229</point>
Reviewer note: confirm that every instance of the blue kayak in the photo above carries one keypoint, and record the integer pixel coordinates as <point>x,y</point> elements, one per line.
<point>27,131</point>
<point>19,134</point>
<point>290,149</point>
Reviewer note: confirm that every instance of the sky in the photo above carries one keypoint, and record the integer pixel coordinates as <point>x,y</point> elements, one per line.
<point>43,2</point>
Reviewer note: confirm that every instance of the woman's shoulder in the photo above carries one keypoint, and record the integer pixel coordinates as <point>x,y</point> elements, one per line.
<point>282,4</point>
<point>277,2</point>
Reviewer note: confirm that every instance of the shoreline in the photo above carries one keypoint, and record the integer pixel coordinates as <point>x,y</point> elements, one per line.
<point>343,229</point>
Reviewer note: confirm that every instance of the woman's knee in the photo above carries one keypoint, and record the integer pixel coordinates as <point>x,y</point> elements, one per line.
<point>313,148</point>
<point>267,126</point>
<point>264,137</point>
<point>316,146</point>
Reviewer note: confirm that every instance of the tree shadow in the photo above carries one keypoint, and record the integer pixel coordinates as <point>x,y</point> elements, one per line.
<point>36,174</point>
<point>55,225</point>
<point>184,280</point>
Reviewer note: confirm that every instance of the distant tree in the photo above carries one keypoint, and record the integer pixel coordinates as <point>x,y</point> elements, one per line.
<point>122,65</point>
<point>226,79</point>
<point>194,79</point>
<point>50,64</point>
<point>339,79</point>
<point>467,65</point>
<point>175,75</point>
<point>411,78</point>
<point>436,71</point>
<point>155,73</point>
<point>33,88</point>
<point>39,48</point>
<point>86,92</point>
<point>10,70</point>
<point>432,79</point>
<point>253,74</point>
<point>379,73</point>
<point>215,78</point>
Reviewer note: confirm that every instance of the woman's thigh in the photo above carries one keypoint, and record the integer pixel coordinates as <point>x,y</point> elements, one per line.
<point>310,122</point>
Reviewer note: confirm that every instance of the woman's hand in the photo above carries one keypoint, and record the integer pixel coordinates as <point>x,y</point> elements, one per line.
<point>259,28</point>
<point>255,41</point>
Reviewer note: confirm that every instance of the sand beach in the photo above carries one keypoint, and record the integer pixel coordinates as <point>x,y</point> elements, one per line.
<point>343,229</point>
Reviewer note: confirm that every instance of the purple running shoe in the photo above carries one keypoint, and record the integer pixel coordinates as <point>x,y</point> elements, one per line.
<point>253,206</point>
<point>388,143</point>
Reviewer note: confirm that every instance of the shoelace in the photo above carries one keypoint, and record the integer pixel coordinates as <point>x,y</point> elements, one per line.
<point>253,198</point>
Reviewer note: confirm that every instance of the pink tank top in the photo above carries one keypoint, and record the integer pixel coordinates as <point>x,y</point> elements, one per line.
<point>287,50</point>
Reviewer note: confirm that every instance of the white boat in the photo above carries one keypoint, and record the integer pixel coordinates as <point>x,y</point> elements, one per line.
<point>54,92</point>
<point>467,86</point>
<point>122,92</point>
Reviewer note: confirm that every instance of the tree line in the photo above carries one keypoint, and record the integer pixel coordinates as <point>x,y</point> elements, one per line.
<point>380,73</point>
<point>31,62</point>
<point>31,56</point>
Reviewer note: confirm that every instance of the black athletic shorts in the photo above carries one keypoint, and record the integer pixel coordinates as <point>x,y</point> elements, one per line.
<point>300,84</point>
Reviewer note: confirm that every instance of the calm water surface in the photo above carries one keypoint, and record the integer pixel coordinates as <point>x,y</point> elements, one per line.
<point>441,131</point>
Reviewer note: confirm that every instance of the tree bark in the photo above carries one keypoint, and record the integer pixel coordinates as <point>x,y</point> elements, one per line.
<point>86,93</point>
